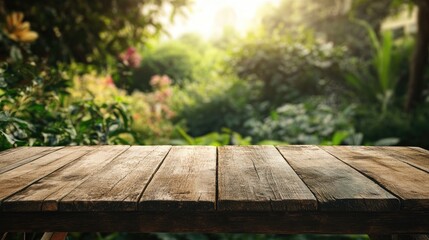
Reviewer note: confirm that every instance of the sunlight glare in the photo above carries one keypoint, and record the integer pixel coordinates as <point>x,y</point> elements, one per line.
<point>209,17</point>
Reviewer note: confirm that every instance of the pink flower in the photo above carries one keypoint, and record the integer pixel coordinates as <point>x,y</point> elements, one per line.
<point>158,81</point>
<point>131,57</point>
<point>109,81</point>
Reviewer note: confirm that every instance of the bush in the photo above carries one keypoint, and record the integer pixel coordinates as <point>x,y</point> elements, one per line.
<point>173,59</point>
<point>209,105</point>
<point>36,110</point>
<point>289,69</point>
<point>309,123</point>
<point>377,80</point>
<point>410,128</point>
<point>150,112</point>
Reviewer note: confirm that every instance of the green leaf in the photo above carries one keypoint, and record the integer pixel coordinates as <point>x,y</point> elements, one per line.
<point>339,137</point>
<point>187,137</point>
<point>387,142</point>
<point>15,54</point>
<point>9,138</point>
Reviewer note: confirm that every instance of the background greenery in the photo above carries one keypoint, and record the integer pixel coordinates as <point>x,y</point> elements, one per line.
<point>97,72</point>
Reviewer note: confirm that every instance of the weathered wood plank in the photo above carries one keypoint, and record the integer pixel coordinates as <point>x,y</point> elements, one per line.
<point>414,157</point>
<point>46,193</point>
<point>337,186</point>
<point>258,178</point>
<point>10,150</point>
<point>21,177</point>
<point>425,151</point>
<point>407,182</point>
<point>417,157</point>
<point>219,221</point>
<point>22,155</point>
<point>119,184</point>
<point>186,180</point>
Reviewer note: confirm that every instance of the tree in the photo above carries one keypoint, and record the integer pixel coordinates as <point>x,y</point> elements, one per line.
<point>420,56</point>
<point>91,31</point>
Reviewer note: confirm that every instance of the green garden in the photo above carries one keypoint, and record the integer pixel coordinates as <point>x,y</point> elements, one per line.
<point>322,72</point>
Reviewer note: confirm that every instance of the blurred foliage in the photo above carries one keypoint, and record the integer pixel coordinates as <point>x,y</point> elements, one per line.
<point>307,123</point>
<point>150,113</point>
<point>225,137</point>
<point>331,20</point>
<point>289,67</point>
<point>211,104</point>
<point>173,59</point>
<point>377,80</point>
<point>410,129</point>
<point>92,31</point>
<point>184,60</point>
<point>36,111</point>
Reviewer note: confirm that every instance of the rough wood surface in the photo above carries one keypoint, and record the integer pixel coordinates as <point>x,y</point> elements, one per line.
<point>405,181</point>
<point>23,176</point>
<point>119,184</point>
<point>259,189</point>
<point>16,157</point>
<point>10,150</point>
<point>337,186</point>
<point>186,180</point>
<point>47,192</point>
<point>258,178</point>
<point>418,158</point>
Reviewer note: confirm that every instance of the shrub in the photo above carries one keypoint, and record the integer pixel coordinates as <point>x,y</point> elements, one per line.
<point>410,128</point>
<point>307,123</point>
<point>36,110</point>
<point>288,69</point>
<point>173,59</point>
<point>209,105</point>
<point>150,112</point>
<point>376,81</point>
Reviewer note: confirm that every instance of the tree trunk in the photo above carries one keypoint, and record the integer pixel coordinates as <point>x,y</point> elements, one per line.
<point>419,59</point>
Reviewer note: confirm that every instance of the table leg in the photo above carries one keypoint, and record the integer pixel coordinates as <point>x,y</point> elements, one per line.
<point>54,236</point>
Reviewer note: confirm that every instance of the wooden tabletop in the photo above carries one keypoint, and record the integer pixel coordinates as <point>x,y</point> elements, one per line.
<point>284,189</point>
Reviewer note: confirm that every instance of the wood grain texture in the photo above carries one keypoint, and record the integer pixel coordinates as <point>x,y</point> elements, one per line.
<point>16,157</point>
<point>407,182</point>
<point>258,178</point>
<point>416,157</point>
<point>186,180</point>
<point>23,176</point>
<point>219,221</point>
<point>337,186</point>
<point>119,184</point>
<point>7,151</point>
<point>48,191</point>
<point>425,151</point>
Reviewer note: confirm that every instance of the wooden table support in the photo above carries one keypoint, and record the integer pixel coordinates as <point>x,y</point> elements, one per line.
<point>381,191</point>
